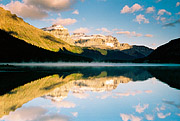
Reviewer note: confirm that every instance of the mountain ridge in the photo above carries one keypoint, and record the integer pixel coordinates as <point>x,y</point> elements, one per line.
<point>167,53</point>
<point>29,38</point>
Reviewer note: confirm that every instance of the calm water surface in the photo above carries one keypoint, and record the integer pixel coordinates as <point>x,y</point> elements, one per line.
<point>96,92</point>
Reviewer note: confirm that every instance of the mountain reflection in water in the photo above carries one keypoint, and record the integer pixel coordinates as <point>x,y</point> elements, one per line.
<point>90,93</point>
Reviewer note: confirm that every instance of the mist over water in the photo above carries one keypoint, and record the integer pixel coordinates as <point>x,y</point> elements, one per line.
<point>89,91</point>
<point>85,64</point>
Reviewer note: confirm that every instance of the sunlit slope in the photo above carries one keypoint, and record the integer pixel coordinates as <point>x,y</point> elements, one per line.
<point>30,34</point>
<point>17,97</point>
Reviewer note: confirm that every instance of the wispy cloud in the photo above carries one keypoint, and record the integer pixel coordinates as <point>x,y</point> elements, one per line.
<point>149,117</point>
<point>64,22</point>
<point>81,30</point>
<point>81,95</point>
<point>75,12</point>
<point>172,24</point>
<point>129,34</point>
<point>64,104</point>
<point>148,35</point>
<point>161,115</point>
<point>104,30</point>
<point>132,34</point>
<point>157,1</point>
<point>75,114</point>
<point>134,8</point>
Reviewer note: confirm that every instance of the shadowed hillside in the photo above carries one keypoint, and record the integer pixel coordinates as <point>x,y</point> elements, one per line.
<point>16,27</point>
<point>16,50</point>
<point>167,53</point>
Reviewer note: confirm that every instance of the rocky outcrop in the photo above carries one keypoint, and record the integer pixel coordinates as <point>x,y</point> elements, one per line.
<point>98,41</point>
<point>82,40</point>
<point>59,32</point>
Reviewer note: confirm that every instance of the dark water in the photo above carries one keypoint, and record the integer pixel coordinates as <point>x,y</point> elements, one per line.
<point>95,92</point>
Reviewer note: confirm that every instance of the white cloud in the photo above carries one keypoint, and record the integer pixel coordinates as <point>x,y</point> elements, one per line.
<point>26,113</point>
<point>177,4</point>
<point>75,12</point>
<point>51,5</point>
<point>140,18</point>
<point>140,108</point>
<point>64,22</point>
<point>117,29</point>
<point>162,11</point>
<point>81,30</point>
<point>149,117</point>
<point>134,8</point>
<point>38,9</point>
<point>124,32</point>
<point>150,9</point>
<point>26,11</point>
<point>136,34</point>
<point>161,115</point>
<point>126,117</point>
<point>133,93</point>
<point>53,117</point>
<point>148,35</point>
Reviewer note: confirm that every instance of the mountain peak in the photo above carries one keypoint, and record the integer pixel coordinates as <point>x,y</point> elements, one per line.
<point>54,27</point>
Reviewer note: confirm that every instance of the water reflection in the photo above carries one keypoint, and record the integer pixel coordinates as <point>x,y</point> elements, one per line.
<point>90,93</point>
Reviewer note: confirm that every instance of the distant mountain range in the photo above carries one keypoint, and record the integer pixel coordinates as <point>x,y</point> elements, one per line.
<point>22,42</point>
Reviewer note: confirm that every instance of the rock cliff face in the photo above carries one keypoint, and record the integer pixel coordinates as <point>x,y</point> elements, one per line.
<point>98,41</point>
<point>59,32</point>
<point>82,40</point>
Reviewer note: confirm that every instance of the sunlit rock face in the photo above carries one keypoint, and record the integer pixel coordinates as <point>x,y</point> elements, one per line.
<point>92,84</point>
<point>59,32</point>
<point>98,41</point>
<point>83,40</point>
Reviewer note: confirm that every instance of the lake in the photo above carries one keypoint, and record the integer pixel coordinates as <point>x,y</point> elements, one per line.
<point>89,92</point>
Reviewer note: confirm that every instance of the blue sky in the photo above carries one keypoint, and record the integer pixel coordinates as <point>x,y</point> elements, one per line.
<point>141,22</point>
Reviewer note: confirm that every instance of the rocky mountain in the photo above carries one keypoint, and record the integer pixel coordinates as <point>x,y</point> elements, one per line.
<point>59,32</point>
<point>97,41</point>
<point>167,53</point>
